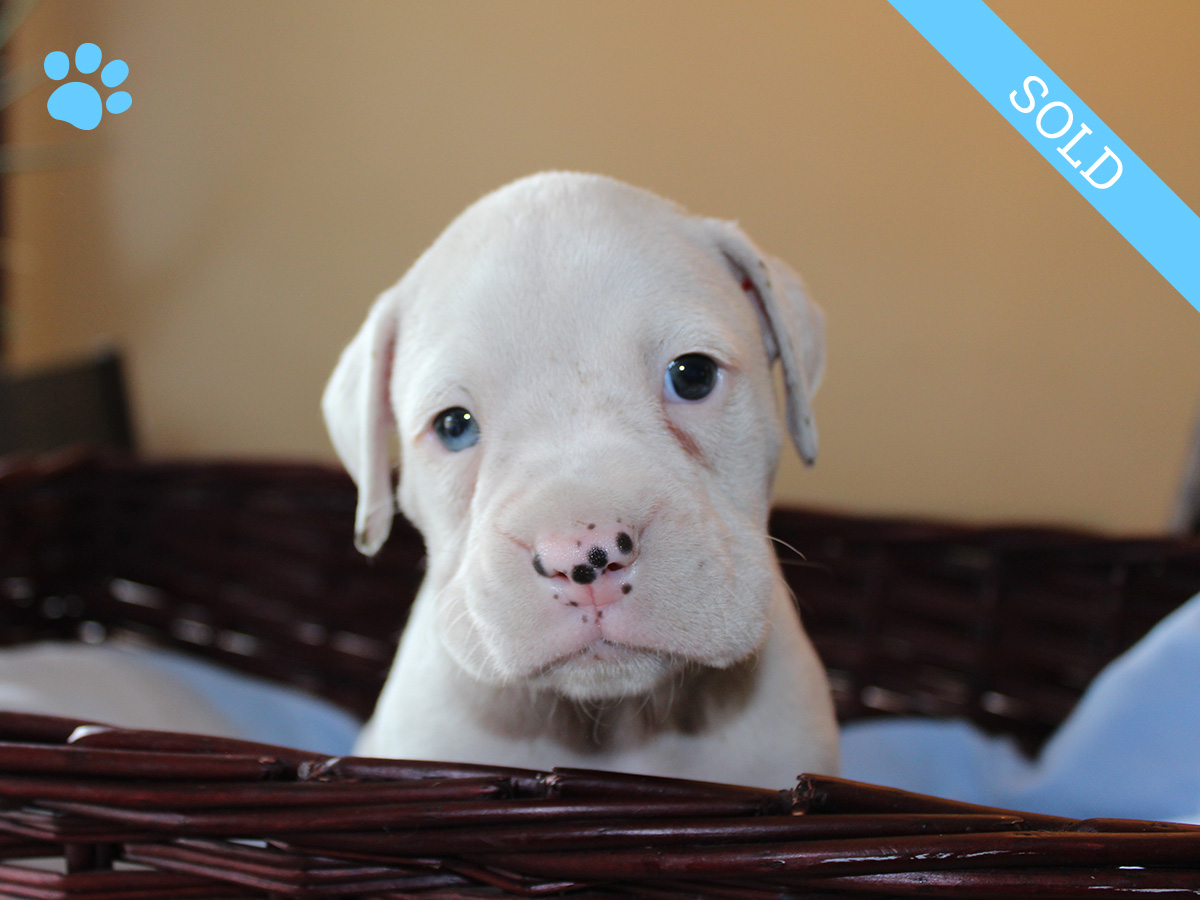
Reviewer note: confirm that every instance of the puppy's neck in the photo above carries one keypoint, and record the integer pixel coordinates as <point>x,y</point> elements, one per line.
<point>693,701</point>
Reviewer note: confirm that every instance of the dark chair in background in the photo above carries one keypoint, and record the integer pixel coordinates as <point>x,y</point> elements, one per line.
<point>80,404</point>
<point>1185,518</point>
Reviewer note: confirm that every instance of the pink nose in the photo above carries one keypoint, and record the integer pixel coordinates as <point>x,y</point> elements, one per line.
<point>590,562</point>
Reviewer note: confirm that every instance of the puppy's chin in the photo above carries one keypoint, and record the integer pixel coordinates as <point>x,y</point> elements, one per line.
<point>607,671</point>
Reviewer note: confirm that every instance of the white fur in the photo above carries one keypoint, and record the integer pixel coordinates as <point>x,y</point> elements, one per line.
<point>550,309</point>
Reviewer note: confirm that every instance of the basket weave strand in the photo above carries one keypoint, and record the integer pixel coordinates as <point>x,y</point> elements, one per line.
<point>566,829</point>
<point>252,564</point>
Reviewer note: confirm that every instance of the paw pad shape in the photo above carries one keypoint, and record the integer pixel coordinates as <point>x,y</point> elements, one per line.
<point>77,102</point>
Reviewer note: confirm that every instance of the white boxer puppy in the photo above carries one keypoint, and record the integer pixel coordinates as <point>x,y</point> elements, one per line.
<point>580,376</point>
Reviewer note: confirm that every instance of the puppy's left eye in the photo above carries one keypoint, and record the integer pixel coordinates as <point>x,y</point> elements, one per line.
<point>690,377</point>
<point>456,428</point>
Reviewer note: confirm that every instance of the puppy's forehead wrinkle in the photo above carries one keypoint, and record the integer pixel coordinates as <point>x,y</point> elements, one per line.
<point>557,259</point>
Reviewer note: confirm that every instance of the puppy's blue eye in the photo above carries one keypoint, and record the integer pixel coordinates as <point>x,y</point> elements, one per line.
<point>456,428</point>
<point>690,377</point>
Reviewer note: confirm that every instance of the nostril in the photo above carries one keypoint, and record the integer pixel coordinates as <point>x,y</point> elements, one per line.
<point>582,574</point>
<point>540,567</point>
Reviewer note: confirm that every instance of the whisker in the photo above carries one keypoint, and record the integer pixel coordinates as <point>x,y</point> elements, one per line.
<point>782,543</point>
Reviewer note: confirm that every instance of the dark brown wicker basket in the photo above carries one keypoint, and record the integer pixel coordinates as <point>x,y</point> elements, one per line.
<point>253,565</point>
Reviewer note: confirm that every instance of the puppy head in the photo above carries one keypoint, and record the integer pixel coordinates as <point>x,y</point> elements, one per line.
<point>579,375</point>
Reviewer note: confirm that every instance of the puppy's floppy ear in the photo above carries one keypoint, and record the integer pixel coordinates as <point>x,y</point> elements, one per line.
<point>358,414</point>
<point>794,327</point>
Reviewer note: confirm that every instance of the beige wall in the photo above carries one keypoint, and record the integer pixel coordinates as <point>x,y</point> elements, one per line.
<point>996,350</point>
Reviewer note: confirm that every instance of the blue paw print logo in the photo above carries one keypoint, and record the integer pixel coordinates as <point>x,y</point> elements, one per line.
<point>77,102</point>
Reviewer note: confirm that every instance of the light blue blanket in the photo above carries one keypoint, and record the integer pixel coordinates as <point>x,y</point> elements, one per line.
<point>1130,749</point>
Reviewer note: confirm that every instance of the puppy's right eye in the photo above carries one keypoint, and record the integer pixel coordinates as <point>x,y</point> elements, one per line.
<point>691,377</point>
<point>456,428</point>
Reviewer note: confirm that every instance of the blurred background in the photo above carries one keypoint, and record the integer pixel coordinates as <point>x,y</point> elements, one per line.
<point>996,351</point>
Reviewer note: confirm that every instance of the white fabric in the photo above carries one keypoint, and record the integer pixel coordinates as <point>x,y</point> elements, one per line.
<point>1130,749</point>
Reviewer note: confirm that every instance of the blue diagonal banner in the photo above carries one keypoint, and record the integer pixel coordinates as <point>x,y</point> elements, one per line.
<point>1066,132</point>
